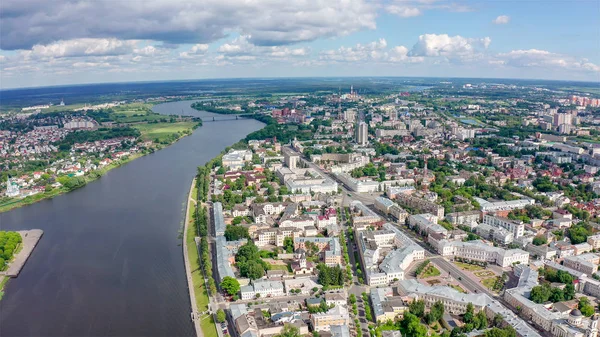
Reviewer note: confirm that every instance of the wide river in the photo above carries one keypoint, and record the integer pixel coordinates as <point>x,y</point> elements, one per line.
<point>110,262</point>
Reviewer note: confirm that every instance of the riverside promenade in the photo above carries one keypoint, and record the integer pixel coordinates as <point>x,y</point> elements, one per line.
<point>30,240</point>
<point>195,315</point>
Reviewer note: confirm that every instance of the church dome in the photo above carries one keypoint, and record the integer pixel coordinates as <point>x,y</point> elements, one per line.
<point>576,313</point>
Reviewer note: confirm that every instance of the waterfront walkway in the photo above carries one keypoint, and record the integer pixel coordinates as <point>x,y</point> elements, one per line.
<point>195,314</point>
<point>30,240</point>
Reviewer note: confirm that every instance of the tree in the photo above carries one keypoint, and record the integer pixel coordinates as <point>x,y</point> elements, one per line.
<point>411,326</point>
<point>540,240</point>
<point>569,292</point>
<point>557,295</point>
<point>417,308</point>
<point>498,319</point>
<point>482,319</point>
<point>234,233</point>
<point>230,285</point>
<point>540,294</point>
<point>435,313</point>
<point>330,275</point>
<point>288,245</point>
<point>221,316</point>
<point>289,331</point>
<point>468,316</point>
<point>579,233</point>
<point>585,307</point>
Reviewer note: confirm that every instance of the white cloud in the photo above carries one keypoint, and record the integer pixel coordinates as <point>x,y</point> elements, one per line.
<point>501,20</point>
<point>402,11</point>
<point>454,48</point>
<point>544,59</point>
<point>373,52</point>
<point>412,8</point>
<point>196,50</point>
<point>81,47</point>
<point>273,22</point>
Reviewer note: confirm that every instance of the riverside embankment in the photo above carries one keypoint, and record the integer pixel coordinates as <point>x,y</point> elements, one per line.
<point>110,262</point>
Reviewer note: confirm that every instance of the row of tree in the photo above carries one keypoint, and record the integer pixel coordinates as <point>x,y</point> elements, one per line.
<point>8,243</point>
<point>202,182</point>
<point>330,276</point>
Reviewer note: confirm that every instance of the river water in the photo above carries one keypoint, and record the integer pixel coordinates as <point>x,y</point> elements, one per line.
<point>110,261</point>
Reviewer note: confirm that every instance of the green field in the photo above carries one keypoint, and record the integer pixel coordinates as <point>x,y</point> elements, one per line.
<point>135,112</point>
<point>591,90</point>
<point>164,131</point>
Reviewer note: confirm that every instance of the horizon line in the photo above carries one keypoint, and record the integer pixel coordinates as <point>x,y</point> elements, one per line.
<point>288,77</point>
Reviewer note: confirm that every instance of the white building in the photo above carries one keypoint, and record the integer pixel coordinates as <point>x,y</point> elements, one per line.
<point>516,227</point>
<point>487,206</point>
<point>262,289</point>
<point>482,252</point>
<point>12,189</point>
<point>362,134</point>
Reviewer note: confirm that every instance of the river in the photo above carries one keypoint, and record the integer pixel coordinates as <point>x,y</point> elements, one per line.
<point>110,261</point>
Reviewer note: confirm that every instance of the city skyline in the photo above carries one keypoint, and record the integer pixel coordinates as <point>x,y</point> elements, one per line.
<point>158,40</point>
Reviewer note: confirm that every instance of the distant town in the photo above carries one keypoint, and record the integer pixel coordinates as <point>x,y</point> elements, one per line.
<point>45,153</point>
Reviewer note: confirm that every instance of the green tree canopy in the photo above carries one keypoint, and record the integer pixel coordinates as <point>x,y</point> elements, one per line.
<point>230,285</point>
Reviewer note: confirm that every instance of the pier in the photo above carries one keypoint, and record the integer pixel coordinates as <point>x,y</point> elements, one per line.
<point>30,240</point>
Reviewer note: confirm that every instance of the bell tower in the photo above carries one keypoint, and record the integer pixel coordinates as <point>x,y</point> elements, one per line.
<point>592,330</point>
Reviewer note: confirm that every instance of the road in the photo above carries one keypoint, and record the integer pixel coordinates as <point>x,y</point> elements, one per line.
<point>347,194</point>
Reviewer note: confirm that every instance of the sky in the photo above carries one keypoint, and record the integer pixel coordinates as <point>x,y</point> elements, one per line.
<point>62,42</point>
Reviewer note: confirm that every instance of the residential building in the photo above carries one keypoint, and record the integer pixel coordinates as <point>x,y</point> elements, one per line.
<point>323,321</point>
<point>513,226</point>
<point>421,205</point>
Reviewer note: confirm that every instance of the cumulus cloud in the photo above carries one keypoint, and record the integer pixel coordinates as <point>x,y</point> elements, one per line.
<point>81,47</point>
<point>455,48</point>
<point>411,8</point>
<point>375,52</point>
<point>197,49</point>
<point>502,20</point>
<point>402,11</point>
<point>273,22</point>
<point>544,58</point>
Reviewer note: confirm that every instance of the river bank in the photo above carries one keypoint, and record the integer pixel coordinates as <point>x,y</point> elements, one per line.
<point>89,177</point>
<point>190,252</point>
<point>30,240</point>
<point>111,254</point>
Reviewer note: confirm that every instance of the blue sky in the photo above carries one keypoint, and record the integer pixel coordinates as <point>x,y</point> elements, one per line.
<point>66,42</point>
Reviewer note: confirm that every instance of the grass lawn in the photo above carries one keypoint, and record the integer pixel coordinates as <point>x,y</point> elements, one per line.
<point>466,266</point>
<point>279,267</point>
<point>163,131</point>
<point>208,327</point>
<point>197,278</point>
<point>484,273</point>
<point>430,271</point>
<point>458,288</point>
<point>206,322</point>
<point>489,282</point>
